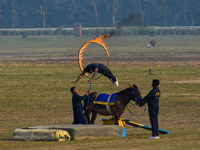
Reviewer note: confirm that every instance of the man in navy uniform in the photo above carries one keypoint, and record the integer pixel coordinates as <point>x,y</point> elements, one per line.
<point>79,117</point>
<point>100,68</point>
<point>152,99</point>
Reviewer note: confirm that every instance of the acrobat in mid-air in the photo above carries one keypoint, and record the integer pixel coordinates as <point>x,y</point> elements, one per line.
<point>100,68</point>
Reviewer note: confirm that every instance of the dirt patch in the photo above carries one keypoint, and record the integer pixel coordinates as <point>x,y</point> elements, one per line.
<point>188,81</point>
<point>21,57</point>
<point>184,94</point>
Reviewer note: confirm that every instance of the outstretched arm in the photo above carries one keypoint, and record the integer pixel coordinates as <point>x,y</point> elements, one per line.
<point>79,77</point>
<point>146,98</point>
<point>94,75</point>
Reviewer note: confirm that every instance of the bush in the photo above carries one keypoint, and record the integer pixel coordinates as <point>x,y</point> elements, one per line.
<point>24,34</point>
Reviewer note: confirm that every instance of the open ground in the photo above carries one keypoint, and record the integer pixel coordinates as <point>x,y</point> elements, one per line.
<point>37,73</point>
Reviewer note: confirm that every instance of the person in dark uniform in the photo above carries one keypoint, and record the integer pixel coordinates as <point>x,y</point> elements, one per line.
<point>152,98</point>
<point>79,117</point>
<point>100,68</point>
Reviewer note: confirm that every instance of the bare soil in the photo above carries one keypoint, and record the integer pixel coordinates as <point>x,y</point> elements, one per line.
<point>18,57</point>
<point>187,81</point>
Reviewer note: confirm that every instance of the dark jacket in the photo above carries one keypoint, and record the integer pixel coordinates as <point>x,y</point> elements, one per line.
<point>101,67</point>
<point>79,117</point>
<point>76,101</point>
<point>152,98</point>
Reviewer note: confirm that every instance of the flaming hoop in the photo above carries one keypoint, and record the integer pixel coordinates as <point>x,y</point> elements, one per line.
<point>99,41</point>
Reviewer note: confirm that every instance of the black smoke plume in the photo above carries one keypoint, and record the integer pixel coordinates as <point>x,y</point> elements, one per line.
<point>130,20</point>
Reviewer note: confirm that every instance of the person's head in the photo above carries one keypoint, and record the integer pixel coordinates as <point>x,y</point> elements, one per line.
<point>88,69</point>
<point>155,82</point>
<point>74,90</point>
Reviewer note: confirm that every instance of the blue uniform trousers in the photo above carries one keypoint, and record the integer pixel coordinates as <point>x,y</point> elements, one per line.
<point>109,75</point>
<point>79,117</point>
<point>153,116</point>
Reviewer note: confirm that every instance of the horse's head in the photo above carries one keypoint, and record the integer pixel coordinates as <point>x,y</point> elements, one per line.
<point>135,93</point>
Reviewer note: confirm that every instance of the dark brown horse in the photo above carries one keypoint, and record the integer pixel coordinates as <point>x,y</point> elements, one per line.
<point>120,100</point>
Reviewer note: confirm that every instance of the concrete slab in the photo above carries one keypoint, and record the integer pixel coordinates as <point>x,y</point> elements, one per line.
<point>79,132</point>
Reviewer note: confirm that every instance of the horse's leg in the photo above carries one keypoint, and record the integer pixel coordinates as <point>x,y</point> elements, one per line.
<point>87,114</point>
<point>116,118</point>
<point>94,116</point>
<point>88,108</point>
<point>91,108</point>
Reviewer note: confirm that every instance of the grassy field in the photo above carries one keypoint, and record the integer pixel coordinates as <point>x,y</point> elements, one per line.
<point>36,92</point>
<point>168,48</point>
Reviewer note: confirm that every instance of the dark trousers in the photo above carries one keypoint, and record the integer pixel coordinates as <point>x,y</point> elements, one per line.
<point>79,117</point>
<point>109,75</point>
<point>153,116</point>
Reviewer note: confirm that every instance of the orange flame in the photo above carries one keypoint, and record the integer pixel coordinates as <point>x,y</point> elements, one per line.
<point>98,40</point>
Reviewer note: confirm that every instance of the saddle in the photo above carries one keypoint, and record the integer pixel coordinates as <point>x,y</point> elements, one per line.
<point>105,100</point>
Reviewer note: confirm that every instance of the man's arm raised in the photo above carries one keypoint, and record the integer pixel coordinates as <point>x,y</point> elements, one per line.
<point>79,77</point>
<point>94,75</point>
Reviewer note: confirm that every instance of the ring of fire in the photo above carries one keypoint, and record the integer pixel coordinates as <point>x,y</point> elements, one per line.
<point>99,41</point>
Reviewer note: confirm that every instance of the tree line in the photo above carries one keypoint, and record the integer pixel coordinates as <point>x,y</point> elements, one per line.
<point>97,13</point>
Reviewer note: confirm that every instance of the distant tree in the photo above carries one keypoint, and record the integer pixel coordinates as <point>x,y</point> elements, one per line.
<point>93,13</point>
<point>114,12</point>
<point>44,13</point>
<point>192,12</point>
<point>2,3</point>
<point>96,12</point>
<point>139,7</point>
<point>14,13</point>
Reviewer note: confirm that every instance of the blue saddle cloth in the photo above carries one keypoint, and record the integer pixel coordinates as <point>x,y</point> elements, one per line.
<point>103,99</point>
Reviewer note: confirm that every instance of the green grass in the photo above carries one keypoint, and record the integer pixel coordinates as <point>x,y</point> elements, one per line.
<point>37,93</point>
